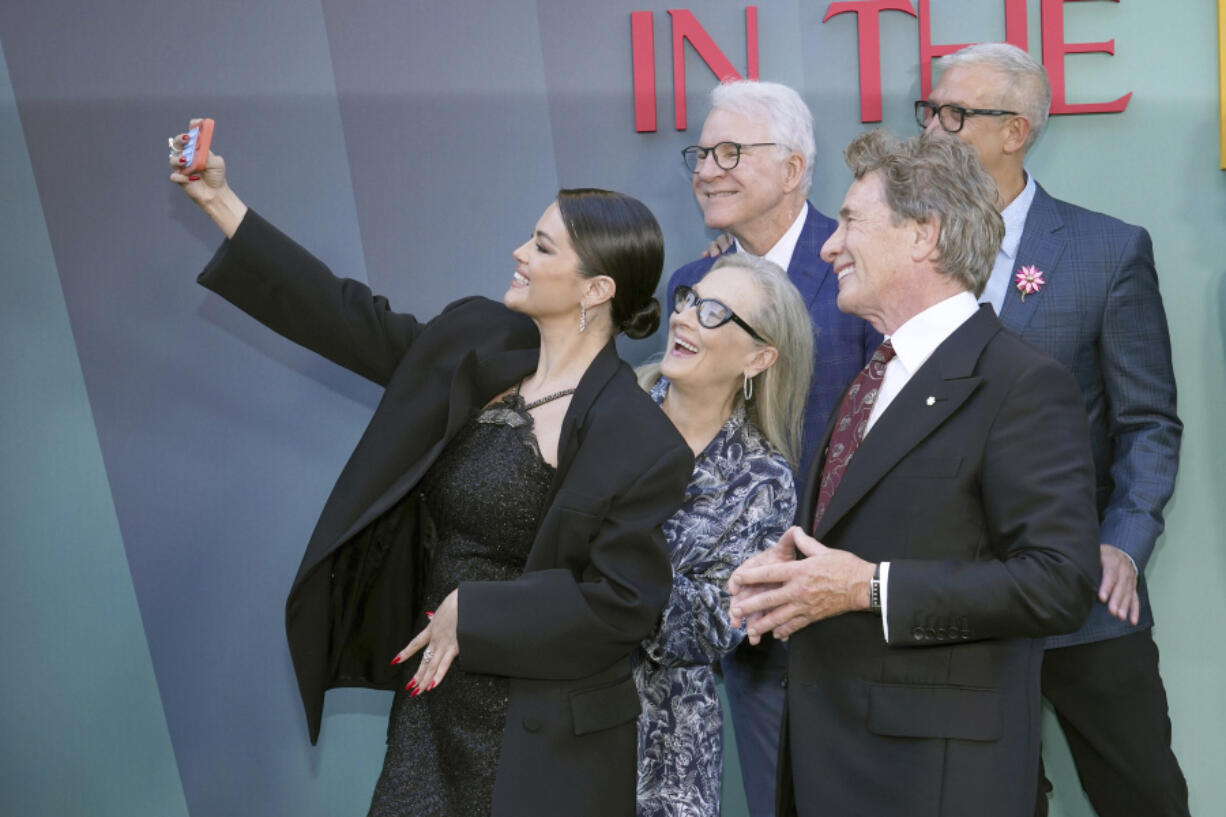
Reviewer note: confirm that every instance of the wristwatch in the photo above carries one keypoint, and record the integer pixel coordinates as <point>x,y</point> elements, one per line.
<point>874,591</point>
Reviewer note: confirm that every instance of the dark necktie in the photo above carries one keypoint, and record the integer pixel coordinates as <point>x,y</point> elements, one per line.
<point>849,428</point>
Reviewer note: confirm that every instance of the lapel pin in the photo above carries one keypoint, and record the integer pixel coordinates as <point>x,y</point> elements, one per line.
<point>931,400</point>
<point>1029,280</point>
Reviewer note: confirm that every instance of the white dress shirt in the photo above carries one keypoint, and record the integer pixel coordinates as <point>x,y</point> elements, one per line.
<point>781,253</point>
<point>1003,270</point>
<point>914,342</point>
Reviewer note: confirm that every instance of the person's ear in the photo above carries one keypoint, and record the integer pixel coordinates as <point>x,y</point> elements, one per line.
<point>1017,131</point>
<point>598,290</point>
<point>793,172</point>
<point>760,360</point>
<point>924,238</point>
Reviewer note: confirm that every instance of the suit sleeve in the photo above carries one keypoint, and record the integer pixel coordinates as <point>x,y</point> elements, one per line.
<point>695,628</point>
<point>270,277</point>
<point>1135,360</point>
<point>1038,568</point>
<point>564,623</point>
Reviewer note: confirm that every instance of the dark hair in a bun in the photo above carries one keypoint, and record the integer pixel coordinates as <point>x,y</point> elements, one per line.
<point>616,235</point>
<point>644,322</point>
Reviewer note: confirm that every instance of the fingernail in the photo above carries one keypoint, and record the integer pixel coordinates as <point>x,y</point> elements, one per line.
<point>182,160</point>
<point>415,693</point>
<point>431,686</point>
<point>184,136</point>
<point>193,178</point>
<point>429,614</point>
<point>412,683</point>
<point>395,660</point>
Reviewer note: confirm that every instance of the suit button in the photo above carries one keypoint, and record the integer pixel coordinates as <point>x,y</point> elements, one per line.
<point>941,633</point>
<point>532,725</point>
<point>917,633</point>
<point>783,682</point>
<point>931,633</point>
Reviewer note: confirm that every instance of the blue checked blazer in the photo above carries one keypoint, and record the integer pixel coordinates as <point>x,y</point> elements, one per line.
<point>1100,314</point>
<point>842,343</point>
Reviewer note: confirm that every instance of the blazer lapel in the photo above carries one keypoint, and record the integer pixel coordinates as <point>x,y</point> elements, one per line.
<point>600,372</point>
<point>1041,246</point>
<point>807,269</point>
<point>930,398</point>
<point>474,382</point>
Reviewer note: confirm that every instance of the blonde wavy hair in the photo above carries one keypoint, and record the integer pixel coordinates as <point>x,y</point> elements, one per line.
<point>778,405</point>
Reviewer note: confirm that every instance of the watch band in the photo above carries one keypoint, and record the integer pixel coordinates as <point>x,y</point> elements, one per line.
<point>874,591</point>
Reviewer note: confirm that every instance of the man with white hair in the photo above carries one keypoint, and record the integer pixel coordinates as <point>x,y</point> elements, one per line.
<point>753,166</point>
<point>1082,287</point>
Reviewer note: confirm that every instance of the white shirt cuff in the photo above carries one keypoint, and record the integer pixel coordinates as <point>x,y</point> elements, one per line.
<point>885,600</point>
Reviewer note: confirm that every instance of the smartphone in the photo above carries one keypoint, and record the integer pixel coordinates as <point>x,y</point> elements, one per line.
<point>196,152</point>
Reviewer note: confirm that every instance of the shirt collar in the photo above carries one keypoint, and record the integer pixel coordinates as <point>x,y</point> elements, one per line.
<point>1014,217</point>
<point>781,253</point>
<point>916,340</point>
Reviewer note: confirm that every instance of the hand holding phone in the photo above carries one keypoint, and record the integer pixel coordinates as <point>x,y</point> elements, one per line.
<point>196,151</point>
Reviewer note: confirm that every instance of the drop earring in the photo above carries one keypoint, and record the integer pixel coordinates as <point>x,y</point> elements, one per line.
<point>747,388</point>
<point>582,317</point>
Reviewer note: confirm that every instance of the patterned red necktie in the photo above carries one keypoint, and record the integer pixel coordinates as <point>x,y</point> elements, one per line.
<point>849,428</point>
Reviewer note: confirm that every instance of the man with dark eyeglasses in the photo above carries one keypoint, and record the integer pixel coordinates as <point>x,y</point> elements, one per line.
<point>751,173</point>
<point>1082,287</point>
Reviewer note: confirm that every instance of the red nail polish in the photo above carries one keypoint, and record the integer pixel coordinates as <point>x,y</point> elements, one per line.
<point>193,178</point>
<point>415,693</point>
<point>184,136</point>
<point>431,686</point>
<point>429,614</point>
<point>412,683</point>
<point>395,660</point>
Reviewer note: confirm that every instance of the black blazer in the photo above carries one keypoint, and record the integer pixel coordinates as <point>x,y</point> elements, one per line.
<point>977,485</point>
<point>597,575</point>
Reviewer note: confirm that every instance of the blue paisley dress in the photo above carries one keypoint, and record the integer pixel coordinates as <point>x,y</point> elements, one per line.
<point>740,500</point>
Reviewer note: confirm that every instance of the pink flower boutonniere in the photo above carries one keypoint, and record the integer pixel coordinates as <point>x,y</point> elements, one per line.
<point>1029,281</point>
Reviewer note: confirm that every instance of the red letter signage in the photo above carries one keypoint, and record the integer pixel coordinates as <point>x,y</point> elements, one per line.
<point>869,29</point>
<point>686,27</point>
<point>1015,34</point>
<point>643,49</point>
<point>1054,49</point>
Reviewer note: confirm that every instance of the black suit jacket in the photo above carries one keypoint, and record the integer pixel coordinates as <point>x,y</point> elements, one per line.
<point>977,485</point>
<point>596,578</point>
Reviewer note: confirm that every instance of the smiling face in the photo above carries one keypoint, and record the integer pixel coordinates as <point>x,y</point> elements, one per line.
<point>870,254</point>
<point>756,200</point>
<point>546,282</point>
<point>700,358</point>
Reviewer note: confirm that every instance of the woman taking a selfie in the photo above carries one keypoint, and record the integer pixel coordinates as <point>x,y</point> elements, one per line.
<point>492,549</point>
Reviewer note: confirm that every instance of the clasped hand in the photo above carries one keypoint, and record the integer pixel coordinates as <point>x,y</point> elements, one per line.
<point>775,592</point>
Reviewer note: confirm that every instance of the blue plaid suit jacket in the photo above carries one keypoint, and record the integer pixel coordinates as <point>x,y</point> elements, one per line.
<point>1101,315</point>
<point>842,343</point>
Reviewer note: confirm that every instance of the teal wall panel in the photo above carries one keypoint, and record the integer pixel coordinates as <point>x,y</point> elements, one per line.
<point>84,734</point>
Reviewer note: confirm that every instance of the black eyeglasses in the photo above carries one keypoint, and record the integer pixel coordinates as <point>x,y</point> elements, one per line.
<point>952,117</point>
<point>711,313</point>
<point>727,154</point>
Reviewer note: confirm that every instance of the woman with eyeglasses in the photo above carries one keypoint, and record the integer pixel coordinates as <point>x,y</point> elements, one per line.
<point>492,550</point>
<point>733,379</point>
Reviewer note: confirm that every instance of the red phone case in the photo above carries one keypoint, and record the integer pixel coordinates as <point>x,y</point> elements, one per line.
<point>197,150</point>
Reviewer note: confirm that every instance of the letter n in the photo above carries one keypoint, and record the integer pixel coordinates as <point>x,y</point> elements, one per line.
<point>687,28</point>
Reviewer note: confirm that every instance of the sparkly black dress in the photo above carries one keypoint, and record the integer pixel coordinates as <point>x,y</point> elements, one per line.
<point>485,496</point>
